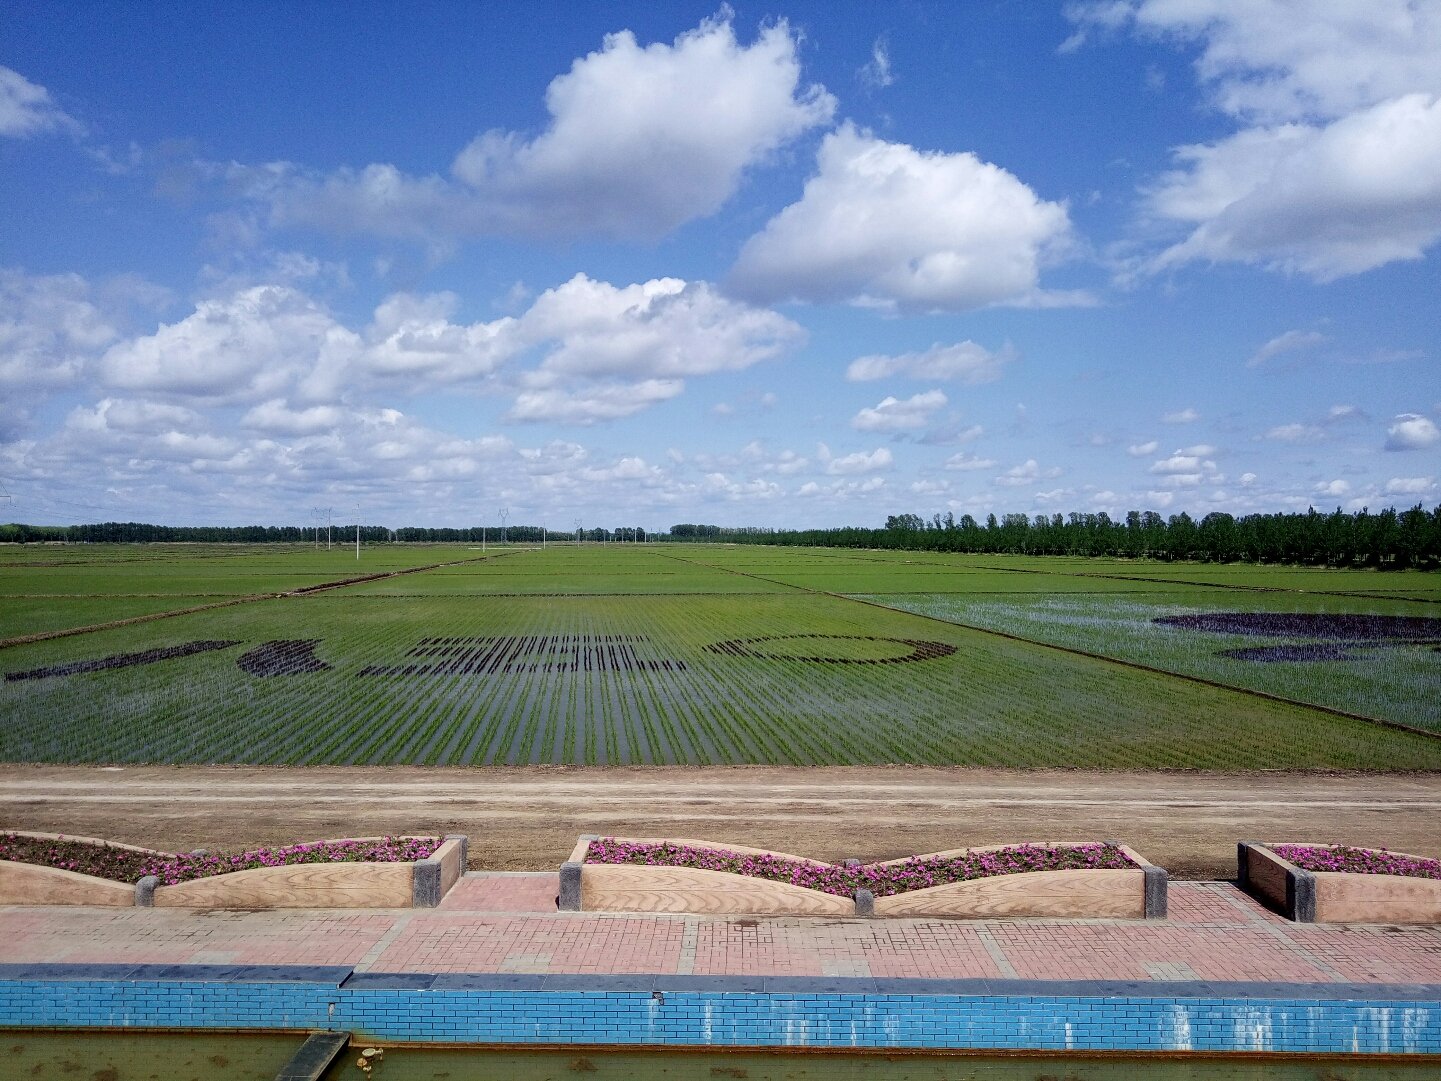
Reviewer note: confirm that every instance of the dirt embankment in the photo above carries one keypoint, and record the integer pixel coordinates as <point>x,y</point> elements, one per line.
<point>528,818</point>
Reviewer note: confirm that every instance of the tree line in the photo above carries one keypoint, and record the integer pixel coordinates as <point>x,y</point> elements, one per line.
<point>337,533</point>
<point>1385,538</point>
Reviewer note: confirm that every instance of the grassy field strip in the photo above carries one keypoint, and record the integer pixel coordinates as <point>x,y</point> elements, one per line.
<point>1142,666</point>
<point>1421,586</point>
<point>990,703</point>
<point>1193,582</point>
<point>65,632</point>
<point>1394,684</point>
<point>128,621</point>
<point>764,672</point>
<point>1434,733</point>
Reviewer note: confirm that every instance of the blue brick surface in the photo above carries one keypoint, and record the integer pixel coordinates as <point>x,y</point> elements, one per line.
<point>672,1010</point>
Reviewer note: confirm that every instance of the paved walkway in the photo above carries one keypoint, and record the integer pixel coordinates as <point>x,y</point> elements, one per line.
<point>507,923</point>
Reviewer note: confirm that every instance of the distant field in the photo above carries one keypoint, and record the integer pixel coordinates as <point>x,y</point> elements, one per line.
<point>703,654</point>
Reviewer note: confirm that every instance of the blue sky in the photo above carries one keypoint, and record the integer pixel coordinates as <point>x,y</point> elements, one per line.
<point>639,264</point>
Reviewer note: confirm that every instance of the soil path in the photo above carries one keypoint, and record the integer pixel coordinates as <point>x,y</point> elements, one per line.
<point>528,818</point>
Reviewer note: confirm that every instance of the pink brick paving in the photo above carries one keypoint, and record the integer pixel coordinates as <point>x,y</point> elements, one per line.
<point>501,891</point>
<point>508,923</point>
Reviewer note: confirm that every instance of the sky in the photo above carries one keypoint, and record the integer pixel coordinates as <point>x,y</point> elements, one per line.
<point>636,264</point>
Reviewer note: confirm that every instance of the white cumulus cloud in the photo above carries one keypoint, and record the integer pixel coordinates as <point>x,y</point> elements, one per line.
<point>27,109</point>
<point>1412,431</point>
<point>585,351</point>
<point>859,462</point>
<point>1026,473</point>
<point>50,328</point>
<point>640,140</point>
<point>1271,60</point>
<point>886,225</point>
<point>593,402</point>
<point>1333,168</point>
<point>964,362</point>
<point>1289,342</point>
<point>968,462</point>
<point>1296,432</point>
<point>275,417</point>
<point>1324,201</point>
<point>664,328</point>
<point>897,415</point>
<point>1410,485</point>
<point>246,346</point>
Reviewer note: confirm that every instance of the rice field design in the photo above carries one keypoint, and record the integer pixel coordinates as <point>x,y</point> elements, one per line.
<point>920,649</point>
<point>530,653</point>
<point>698,654</point>
<point>120,660</point>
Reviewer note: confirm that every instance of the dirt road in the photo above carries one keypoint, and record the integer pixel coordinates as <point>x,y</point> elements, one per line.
<point>529,818</point>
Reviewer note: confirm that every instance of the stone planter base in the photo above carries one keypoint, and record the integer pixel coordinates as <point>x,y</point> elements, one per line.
<point>32,884</point>
<point>1128,893</point>
<point>1334,896</point>
<point>309,885</point>
<point>1131,893</point>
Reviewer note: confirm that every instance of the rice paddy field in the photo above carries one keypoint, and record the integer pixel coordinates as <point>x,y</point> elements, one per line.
<point>709,654</point>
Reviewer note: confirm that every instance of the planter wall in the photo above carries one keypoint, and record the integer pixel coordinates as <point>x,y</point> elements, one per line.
<point>320,885</point>
<point>312,885</point>
<point>1130,893</point>
<point>31,884</point>
<point>626,887</point>
<point>1133,893</point>
<point>1334,896</point>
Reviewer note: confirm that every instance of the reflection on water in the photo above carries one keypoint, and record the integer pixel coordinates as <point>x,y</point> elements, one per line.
<point>145,1056</point>
<point>193,1056</point>
<point>461,1064</point>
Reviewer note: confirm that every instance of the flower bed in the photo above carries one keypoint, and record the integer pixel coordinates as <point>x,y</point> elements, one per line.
<point>1358,861</point>
<point>1316,883</point>
<point>49,869</point>
<point>375,872</point>
<point>675,875</point>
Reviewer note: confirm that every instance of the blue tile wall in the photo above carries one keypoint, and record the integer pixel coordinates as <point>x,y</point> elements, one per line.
<point>792,1013</point>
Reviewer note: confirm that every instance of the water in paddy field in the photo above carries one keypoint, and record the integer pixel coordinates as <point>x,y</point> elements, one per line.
<point>183,1056</point>
<point>145,1056</point>
<point>461,1064</point>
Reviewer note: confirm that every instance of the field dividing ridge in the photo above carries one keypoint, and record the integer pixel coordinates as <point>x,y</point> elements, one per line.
<point>763,670</point>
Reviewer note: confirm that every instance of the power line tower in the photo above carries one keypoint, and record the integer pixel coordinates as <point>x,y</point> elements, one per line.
<point>504,514</point>
<point>579,535</point>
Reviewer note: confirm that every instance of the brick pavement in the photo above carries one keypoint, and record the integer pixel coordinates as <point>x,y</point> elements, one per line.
<point>508,923</point>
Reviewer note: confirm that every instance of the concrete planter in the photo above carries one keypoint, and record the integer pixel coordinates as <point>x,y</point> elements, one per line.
<point>319,885</point>
<point>1334,896</point>
<point>311,885</point>
<point>625,887</point>
<point>32,884</point>
<point>1132,893</point>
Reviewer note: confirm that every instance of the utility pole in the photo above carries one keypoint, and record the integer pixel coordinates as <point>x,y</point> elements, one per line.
<point>357,532</point>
